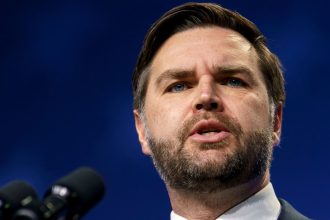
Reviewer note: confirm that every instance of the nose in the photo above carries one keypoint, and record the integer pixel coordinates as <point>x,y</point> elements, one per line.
<point>207,97</point>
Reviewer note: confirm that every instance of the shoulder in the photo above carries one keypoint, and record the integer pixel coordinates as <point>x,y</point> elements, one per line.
<point>290,213</point>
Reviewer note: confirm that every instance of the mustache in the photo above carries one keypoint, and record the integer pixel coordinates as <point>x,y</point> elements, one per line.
<point>229,123</point>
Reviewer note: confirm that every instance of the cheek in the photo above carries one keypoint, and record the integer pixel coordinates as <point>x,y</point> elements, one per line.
<point>164,119</point>
<point>252,113</point>
<point>165,113</point>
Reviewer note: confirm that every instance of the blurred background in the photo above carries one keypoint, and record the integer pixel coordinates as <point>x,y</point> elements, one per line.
<point>66,101</point>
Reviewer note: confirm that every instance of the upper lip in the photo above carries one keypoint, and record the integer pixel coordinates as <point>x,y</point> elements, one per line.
<point>208,125</point>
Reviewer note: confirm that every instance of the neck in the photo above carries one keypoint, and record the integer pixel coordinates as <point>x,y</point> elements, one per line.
<point>205,206</point>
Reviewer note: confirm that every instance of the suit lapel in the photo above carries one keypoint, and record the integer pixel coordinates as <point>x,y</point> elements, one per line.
<point>289,213</point>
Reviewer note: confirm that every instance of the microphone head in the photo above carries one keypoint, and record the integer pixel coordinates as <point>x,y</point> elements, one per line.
<point>82,189</point>
<point>14,195</point>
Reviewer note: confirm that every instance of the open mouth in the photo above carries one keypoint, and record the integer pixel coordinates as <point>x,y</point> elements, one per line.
<point>209,131</point>
<point>208,127</point>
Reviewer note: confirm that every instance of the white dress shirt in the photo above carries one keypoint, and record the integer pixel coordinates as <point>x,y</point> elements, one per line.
<point>263,205</point>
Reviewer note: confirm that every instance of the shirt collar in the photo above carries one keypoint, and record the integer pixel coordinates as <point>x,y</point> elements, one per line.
<point>262,205</point>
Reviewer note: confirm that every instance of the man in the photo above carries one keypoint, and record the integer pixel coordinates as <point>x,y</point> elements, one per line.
<point>208,99</point>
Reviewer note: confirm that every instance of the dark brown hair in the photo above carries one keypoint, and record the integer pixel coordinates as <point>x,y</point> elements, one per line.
<point>191,15</point>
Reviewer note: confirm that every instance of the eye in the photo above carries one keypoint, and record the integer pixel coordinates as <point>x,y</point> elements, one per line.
<point>234,82</point>
<point>178,87</point>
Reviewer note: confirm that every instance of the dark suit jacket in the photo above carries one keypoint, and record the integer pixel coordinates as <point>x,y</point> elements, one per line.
<point>289,213</point>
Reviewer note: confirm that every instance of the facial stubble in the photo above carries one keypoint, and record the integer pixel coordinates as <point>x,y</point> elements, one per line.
<point>180,170</point>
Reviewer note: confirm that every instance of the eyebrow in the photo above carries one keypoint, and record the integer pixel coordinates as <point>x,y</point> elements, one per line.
<point>218,71</point>
<point>174,74</point>
<point>235,69</point>
<point>229,70</point>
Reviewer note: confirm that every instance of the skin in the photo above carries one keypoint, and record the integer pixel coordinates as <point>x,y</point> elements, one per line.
<point>220,67</point>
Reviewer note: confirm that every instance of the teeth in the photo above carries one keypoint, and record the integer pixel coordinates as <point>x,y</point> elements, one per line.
<point>208,133</point>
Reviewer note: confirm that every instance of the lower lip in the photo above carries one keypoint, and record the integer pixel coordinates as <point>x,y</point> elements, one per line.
<point>213,138</point>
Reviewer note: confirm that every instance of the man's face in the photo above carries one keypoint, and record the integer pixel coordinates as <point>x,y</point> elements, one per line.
<point>207,118</point>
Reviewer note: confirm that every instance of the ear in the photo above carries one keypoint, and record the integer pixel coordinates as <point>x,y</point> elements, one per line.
<point>278,115</point>
<point>140,129</point>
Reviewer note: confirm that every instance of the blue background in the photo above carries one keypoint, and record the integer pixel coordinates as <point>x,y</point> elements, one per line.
<point>65,98</point>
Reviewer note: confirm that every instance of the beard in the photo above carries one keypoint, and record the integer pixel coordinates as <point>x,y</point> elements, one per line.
<point>180,169</point>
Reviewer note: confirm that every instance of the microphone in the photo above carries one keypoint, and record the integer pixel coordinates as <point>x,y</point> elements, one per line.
<point>14,195</point>
<point>69,198</point>
<point>77,192</point>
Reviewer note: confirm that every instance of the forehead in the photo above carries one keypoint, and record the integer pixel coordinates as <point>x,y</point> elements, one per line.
<point>208,45</point>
